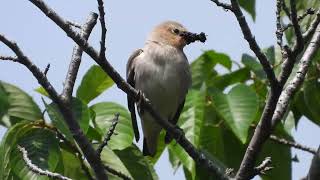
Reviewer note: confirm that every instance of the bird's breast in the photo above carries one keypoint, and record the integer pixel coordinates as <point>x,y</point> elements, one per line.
<point>164,79</point>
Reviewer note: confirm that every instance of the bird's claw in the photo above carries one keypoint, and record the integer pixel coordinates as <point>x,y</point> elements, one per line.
<point>141,97</point>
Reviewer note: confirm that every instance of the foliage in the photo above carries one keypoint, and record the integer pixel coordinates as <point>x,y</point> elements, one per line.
<point>218,118</point>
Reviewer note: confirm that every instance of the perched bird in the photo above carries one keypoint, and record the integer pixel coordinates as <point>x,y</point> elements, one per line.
<point>160,70</point>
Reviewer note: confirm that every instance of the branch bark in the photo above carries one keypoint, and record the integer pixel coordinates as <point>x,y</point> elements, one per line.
<point>314,172</point>
<point>198,156</point>
<point>65,109</point>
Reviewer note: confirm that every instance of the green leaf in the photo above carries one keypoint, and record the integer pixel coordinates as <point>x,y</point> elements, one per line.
<point>190,121</point>
<point>249,6</point>
<point>270,53</point>
<point>202,67</point>
<point>253,65</point>
<point>136,163</point>
<point>238,108</point>
<point>312,98</point>
<point>104,114</point>
<point>41,145</point>
<point>94,82</point>
<point>281,161</point>
<point>4,102</point>
<point>42,91</point>
<point>223,81</point>
<point>21,106</point>
<point>110,159</point>
<point>72,166</point>
<point>81,113</point>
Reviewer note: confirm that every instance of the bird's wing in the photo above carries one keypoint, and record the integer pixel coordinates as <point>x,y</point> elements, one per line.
<point>174,121</point>
<point>131,81</point>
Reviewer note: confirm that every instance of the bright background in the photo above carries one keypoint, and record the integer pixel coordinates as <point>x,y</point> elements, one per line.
<point>128,23</point>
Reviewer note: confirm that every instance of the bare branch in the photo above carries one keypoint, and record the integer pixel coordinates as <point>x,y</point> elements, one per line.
<point>223,5</point>
<point>254,45</point>
<point>298,79</point>
<point>309,33</point>
<point>109,133</point>
<point>76,58</point>
<point>285,8</point>
<point>292,144</point>
<point>103,29</point>
<point>9,58</point>
<point>295,23</point>
<point>263,167</point>
<point>34,168</point>
<point>279,31</point>
<point>117,173</point>
<point>309,11</point>
<point>46,70</point>
<point>199,157</point>
<point>65,109</point>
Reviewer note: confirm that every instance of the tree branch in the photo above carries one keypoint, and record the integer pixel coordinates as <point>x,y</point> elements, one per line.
<point>309,33</point>
<point>109,133</point>
<point>9,58</point>
<point>64,108</point>
<point>262,168</point>
<point>314,171</point>
<point>34,168</point>
<point>103,29</point>
<point>76,58</point>
<point>223,5</point>
<point>292,144</point>
<point>199,157</point>
<point>254,45</point>
<point>298,79</point>
<point>309,11</point>
<point>295,23</point>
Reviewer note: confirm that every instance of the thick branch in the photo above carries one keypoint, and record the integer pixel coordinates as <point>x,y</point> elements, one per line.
<point>199,157</point>
<point>65,109</point>
<point>314,171</point>
<point>34,168</point>
<point>298,79</point>
<point>254,45</point>
<point>292,144</point>
<point>76,58</point>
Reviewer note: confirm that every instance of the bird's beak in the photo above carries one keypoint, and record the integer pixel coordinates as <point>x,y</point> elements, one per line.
<point>190,37</point>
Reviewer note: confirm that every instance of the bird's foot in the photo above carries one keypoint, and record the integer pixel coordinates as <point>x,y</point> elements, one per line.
<point>181,133</point>
<point>141,97</point>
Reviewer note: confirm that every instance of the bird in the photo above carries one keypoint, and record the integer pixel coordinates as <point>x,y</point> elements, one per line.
<point>161,72</point>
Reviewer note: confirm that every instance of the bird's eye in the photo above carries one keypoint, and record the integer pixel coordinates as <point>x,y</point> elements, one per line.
<point>176,31</point>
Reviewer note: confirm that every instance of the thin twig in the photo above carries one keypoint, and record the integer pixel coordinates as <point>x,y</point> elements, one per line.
<point>117,173</point>
<point>254,45</point>
<point>199,157</point>
<point>34,168</point>
<point>309,33</point>
<point>76,58</point>
<point>279,31</point>
<point>223,5</point>
<point>292,144</point>
<point>109,133</point>
<point>263,167</point>
<point>309,11</point>
<point>65,109</point>
<point>297,30</point>
<point>103,29</point>
<point>46,70</point>
<point>76,25</point>
<point>9,58</point>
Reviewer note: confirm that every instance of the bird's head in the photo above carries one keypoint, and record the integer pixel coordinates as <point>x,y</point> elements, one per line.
<point>174,34</point>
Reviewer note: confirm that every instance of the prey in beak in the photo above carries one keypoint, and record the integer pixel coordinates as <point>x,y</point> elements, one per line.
<point>192,37</point>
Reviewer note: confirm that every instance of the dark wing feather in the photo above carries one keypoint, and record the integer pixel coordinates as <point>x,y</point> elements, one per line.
<point>174,121</point>
<point>131,102</point>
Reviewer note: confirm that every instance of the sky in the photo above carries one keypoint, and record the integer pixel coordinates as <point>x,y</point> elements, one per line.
<point>128,23</point>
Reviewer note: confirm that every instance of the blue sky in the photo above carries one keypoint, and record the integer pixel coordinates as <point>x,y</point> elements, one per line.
<point>128,23</point>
